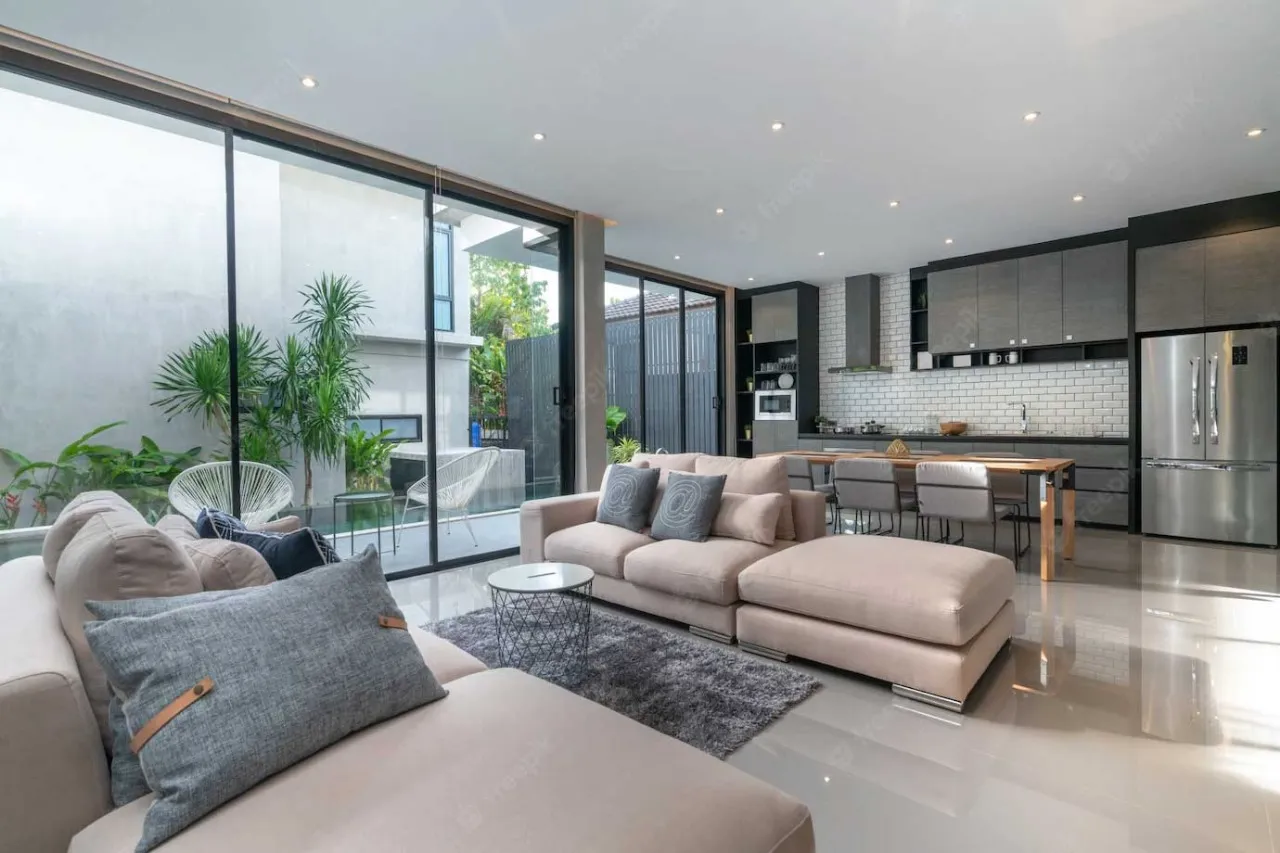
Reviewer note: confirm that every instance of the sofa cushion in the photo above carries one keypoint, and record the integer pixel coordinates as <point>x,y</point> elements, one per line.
<point>508,762</point>
<point>178,527</point>
<point>626,497</point>
<point>115,556</point>
<point>446,661</point>
<point>668,462</point>
<point>920,590</point>
<point>706,571</point>
<point>599,547</point>
<point>78,510</point>
<point>277,673</point>
<point>766,475</point>
<point>226,565</point>
<point>689,506</point>
<point>752,518</point>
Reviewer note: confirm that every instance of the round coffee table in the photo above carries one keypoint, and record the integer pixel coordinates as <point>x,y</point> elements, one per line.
<point>543,616</point>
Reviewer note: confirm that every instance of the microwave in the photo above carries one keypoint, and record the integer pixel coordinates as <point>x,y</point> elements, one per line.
<point>776,405</point>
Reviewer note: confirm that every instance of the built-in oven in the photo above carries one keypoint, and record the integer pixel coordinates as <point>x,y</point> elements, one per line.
<point>776,405</point>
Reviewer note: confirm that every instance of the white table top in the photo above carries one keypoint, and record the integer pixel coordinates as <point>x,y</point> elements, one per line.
<point>541,577</point>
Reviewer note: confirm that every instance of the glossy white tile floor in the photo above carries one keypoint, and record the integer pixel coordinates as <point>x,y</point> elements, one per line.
<point>1138,709</point>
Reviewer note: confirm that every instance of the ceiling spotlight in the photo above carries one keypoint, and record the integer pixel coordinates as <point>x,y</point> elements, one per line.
<point>677,257</point>
<point>1031,116</point>
<point>777,125</point>
<point>309,82</point>
<point>538,137</point>
<point>820,254</point>
<point>1256,132</point>
<point>749,278</point>
<point>948,241</point>
<point>826,778</point>
<point>894,203</point>
<point>719,211</point>
<point>1077,197</point>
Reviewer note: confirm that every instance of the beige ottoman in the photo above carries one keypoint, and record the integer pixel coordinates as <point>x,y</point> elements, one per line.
<point>927,617</point>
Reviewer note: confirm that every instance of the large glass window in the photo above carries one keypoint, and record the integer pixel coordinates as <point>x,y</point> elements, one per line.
<point>112,259</point>
<point>443,261</point>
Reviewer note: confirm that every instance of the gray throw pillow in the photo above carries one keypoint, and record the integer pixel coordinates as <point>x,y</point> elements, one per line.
<point>689,506</point>
<point>127,780</point>
<point>270,675</point>
<point>628,493</point>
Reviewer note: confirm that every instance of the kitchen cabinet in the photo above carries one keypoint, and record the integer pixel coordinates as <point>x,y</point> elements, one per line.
<point>953,310</point>
<point>1170,284</point>
<point>1242,277</point>
<point>771,436</point>
<point>774,317</point>
<point>1040,300</point>
<point>1095,293</point>
<point>998,305</point>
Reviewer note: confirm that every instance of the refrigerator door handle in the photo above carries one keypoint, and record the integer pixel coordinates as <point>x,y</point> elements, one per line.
<point>1213,400</point>
<point>1195,401</point>
<point>1206,466</point>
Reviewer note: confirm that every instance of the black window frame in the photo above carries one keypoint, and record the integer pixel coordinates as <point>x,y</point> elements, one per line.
<point>417,419</point>
<point>443,233</point>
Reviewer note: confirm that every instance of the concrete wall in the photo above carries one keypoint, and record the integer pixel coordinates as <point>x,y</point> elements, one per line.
<point>112,255</point>
<point>1076,397</point>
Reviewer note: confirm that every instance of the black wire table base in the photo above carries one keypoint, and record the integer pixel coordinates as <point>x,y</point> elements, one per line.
<point>545,633</point>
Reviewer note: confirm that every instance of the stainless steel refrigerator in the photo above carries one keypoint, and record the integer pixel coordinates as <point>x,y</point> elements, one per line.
<point>1209,436</point>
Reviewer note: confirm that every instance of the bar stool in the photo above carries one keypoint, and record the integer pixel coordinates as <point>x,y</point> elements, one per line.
<point>961,491</point>
<point>869,485</point>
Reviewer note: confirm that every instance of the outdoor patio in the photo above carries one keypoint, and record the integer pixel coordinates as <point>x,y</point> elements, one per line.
<point>494,532</point>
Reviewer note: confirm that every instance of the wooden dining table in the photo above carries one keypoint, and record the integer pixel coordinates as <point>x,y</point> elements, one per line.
<point>1056,477</point>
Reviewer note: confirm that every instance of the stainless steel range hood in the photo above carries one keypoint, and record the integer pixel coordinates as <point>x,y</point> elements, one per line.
<point>861,326</point>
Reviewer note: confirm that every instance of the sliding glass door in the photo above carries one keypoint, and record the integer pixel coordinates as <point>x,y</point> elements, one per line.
<point>177,294</point>
<point>663,366</point>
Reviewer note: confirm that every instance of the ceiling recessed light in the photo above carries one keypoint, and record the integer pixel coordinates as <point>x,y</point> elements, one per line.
<point>749,278</point>
<point>1077,197</point>
<point>1032,116</point>
<point>309,82</point>
<point>826,778</point>
<point>719,211</point>
<point>538,137</point>
<point>677,257</point>
<point>820,254</point>
<point>1257,131</point>
<point>948,241</point>
<point>894,203</point>
<point>777,125</point>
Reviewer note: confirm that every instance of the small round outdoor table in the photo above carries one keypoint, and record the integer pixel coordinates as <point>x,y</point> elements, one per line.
<point>542,612</point>
<point>375,498</point>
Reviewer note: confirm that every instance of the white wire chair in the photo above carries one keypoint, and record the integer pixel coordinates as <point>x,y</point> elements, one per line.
<point>456,484</point>
<point>264,491</point>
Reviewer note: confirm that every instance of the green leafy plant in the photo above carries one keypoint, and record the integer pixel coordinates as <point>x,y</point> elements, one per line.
<point>614,416</point>
<point>623,449</point>
<point>141,477</point>
<point>301,393</point>
<point>367,457</point>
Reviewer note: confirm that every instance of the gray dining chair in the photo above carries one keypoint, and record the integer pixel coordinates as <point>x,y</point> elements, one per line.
<point>800,476</point>
<point>869,486</point>
<point>907,475</point>
<point>961,491</point>
<point>1010,488</point>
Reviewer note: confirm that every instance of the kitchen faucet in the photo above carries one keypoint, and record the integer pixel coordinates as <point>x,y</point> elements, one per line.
<point>1024,416</point>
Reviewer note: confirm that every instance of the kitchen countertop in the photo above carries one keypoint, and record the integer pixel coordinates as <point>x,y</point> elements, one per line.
<point>1019,438</point>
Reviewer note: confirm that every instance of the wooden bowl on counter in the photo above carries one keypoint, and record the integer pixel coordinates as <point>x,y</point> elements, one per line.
<point>952,427</point>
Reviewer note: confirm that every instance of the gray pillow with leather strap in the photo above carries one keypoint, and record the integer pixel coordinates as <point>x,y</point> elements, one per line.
<point>219,695</point>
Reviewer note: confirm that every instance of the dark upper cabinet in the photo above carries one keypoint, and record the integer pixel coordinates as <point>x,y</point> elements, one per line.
<point>774,317</point>
<point>998,305</point>
<point>1040,300</point>
<point>1242,277</point>
<point>1095,287</point>
<point>1170,286</point>
<point>953,310</point>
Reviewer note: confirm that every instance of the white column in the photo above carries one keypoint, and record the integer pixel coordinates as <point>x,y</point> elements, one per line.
<point>588,297</point>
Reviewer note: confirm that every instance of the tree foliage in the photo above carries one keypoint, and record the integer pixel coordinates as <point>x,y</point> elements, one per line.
<point>505,305</point>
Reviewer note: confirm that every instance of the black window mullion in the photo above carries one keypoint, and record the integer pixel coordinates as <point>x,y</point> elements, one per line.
<point>682,382</point>
<point>644,374</point>
<point>233,336</point>
<point>433,553</point>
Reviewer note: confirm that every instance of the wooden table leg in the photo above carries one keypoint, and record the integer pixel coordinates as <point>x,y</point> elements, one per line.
<point>1068,521</point>
<point>1047,528</point>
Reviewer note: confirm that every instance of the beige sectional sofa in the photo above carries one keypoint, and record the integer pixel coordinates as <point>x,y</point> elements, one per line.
<point>505,762</point>
<point>691,582</point>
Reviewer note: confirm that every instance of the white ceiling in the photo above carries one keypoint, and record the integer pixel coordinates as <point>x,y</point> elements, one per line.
<point>658,112</point>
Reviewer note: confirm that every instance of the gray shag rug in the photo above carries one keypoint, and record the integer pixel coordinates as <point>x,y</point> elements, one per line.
<point>710,697</point>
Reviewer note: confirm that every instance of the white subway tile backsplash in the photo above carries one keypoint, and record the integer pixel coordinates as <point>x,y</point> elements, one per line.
<point>1076,397</point>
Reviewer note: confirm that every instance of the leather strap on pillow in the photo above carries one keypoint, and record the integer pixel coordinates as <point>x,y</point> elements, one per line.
<point>201,689</point>
<point>393,622</point>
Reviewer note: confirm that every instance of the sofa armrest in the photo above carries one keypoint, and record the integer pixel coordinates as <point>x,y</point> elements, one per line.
<point>540,518</point>
<point>810,512</point>
<point>53,770</point>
